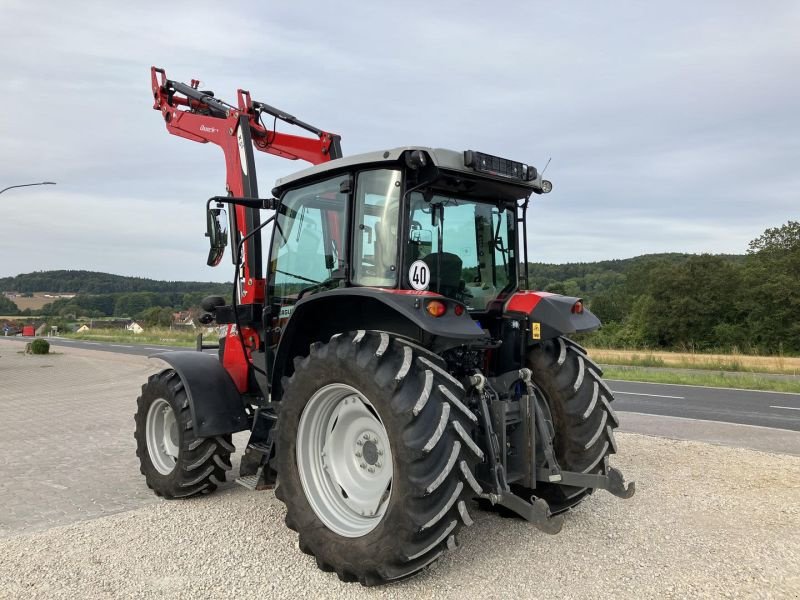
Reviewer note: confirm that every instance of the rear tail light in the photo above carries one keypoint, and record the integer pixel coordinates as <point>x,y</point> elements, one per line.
<point>577,308</point>
<point>436,308</point>
<point>458,309</point>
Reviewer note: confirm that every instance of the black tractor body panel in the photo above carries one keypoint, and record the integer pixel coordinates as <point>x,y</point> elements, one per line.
<point>556,317</point>
<point>316,318</point>
<point>216,405</point>
<point>552,315</point>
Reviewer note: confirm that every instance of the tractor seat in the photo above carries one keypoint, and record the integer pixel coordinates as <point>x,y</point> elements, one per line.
<point>448,282</point>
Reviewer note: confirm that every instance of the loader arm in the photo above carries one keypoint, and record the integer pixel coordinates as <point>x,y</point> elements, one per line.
<point>199,116</point>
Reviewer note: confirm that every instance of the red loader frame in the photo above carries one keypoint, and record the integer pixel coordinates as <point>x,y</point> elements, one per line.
<point>198,116</point>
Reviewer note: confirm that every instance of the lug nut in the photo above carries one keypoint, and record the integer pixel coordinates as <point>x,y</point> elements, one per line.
<point>378,465</point>
<point>358,454</point>
<point>363,465</point>
<point>366,437</point>
<point>380,452</point>
<point>371,469</point>
<point>360,443</point>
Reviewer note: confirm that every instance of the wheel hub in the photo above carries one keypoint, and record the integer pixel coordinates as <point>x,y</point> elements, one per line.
<point>371,452</point>
<point>344,460</point>
<point>161,433</point>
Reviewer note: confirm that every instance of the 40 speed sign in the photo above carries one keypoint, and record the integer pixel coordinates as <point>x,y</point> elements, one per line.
<point>419,275</point>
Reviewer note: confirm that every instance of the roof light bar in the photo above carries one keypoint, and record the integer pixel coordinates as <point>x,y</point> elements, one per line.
<point>501,167</point>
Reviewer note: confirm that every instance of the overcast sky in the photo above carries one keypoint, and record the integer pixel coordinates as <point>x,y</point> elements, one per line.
<point>671,128</point>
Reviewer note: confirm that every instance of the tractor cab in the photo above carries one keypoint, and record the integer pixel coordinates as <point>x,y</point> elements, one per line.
<point>404,220</point>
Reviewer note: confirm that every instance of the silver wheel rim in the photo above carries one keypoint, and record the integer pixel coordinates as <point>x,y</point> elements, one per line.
<point>161,432</point>
<point>344,460</point>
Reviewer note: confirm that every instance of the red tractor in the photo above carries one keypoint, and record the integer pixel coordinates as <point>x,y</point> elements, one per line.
<point>382,350</point>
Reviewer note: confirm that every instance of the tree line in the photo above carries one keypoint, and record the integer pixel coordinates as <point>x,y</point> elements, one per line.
<point>93,282</point>
<point>696,302</point>
<point>680,301</point>
<point>101,295</point>
<point>134,305</point>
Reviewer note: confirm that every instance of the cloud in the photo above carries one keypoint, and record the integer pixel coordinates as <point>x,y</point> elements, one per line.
<point>671,128</point>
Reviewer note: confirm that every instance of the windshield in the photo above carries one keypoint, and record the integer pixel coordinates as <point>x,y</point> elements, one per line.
<point>467,247</point>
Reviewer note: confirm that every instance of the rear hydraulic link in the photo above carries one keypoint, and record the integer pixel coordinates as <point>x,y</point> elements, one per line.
<point>537,511</point>
<point>496,470</point>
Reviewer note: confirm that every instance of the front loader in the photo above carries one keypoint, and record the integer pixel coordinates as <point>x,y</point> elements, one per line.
<point>382,348</point>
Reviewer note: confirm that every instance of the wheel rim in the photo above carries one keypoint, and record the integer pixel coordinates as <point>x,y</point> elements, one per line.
<point>344,460</point>
<point>161,433</point>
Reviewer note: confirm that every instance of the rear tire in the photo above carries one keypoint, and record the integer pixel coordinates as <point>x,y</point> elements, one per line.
<point>418,407</point>
<point>174,461</point>
<point>580,406</point>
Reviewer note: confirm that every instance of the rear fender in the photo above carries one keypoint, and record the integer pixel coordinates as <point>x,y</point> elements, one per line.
<point>215,403</point>
<point>553,314</point>
<point>316,318</point>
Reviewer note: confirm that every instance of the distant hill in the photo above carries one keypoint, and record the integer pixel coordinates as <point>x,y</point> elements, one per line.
<point>588,278</point>
<point>92,282</point>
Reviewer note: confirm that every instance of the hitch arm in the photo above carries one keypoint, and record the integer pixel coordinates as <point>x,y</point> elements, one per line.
<point>613,482</point>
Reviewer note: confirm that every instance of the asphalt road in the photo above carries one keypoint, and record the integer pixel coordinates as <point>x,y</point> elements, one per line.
<point>134,349</point>
<point>746,407</point>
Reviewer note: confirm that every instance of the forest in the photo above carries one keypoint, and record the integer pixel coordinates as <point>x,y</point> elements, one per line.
<point>747,303</point>
<point>106,295</point>
<point>92,282</point>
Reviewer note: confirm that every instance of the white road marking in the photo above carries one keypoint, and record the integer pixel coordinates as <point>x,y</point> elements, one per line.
<point>787,407</point>
<point>634,412</point>
<point>651,395</point>
<point>707,387</point>
<point>119,346</point>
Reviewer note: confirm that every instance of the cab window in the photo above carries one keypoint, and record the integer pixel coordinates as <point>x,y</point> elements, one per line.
<point>378,195</point>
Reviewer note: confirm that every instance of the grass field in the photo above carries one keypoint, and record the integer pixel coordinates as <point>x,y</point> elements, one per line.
<point>745,381</point>
<point>786,365</point>
<point>34,303</point>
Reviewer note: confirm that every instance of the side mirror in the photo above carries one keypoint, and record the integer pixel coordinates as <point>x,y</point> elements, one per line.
<point>217,234</point>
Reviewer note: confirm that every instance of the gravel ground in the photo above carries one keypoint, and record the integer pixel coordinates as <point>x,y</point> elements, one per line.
<point>706,521</point>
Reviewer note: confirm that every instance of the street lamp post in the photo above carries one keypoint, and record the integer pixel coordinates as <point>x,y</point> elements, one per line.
<point>27,185</point>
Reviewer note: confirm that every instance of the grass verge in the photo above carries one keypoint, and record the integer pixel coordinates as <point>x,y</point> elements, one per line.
<point>746,381</point>
<point>784,365</point>
<point>152,336</point>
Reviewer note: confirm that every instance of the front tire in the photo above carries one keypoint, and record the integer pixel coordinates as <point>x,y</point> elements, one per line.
<point>407,410</point>
<point>174,461</point>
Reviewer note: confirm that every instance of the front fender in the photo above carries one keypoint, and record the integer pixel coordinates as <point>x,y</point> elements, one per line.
<point>553,312</point>
<point>215,403</point>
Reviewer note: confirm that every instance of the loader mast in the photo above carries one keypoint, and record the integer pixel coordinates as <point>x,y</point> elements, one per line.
<point>198,116</point>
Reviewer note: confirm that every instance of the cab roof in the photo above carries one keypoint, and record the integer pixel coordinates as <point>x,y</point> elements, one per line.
<point>446,160</point>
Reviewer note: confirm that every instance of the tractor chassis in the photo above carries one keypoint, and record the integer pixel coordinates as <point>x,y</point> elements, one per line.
<point>522,424</point>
